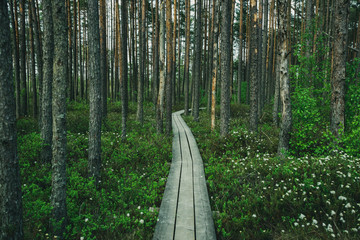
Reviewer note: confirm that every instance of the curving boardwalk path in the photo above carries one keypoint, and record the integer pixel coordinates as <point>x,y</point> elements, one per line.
<point>185,211</point>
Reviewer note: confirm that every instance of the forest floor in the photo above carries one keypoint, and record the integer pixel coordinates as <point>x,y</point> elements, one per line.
<point>253,194</point>
<point>133,177</point>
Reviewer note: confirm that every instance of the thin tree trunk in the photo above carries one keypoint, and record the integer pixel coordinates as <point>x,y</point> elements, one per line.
<point>240,74</point>
<point>46,108</point>
<point>169,54</point>
<point>197,73</point>
<point>187,57</point>
<point>225,47</point>
<point>15,27</point>
<point>11,224</point>
<point>254,67</point>
<point>103,57</point>
<point>338,76</point>
<point>75,63</point>
<point>215,27</point>
<point>124,72</point>
<point>38,51</point>
<point>23,88</point>
<point>286,117</point>
<point>32,66</point>
<point>142,49</point>
<point>117,50</point>
<point>161,97</point>
<point>59,152</point>
<point>264,54</point>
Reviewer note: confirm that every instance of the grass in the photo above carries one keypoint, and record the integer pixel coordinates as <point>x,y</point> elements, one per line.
<point>133,178</point>
<point>255,195</point>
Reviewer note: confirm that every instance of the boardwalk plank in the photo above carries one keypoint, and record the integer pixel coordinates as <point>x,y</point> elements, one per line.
<point>185,212</point>
<point>166,224</point>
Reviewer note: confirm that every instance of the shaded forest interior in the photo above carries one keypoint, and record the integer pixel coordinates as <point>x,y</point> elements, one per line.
<point>88,88</point>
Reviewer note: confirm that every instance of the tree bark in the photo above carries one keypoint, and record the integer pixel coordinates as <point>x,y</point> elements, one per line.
<point>286,117</point>
<point>124,72</point>
<point>187,57</point>
<point>46,108</point>
<point>11,222</point>
<point>23,88</point>
<point>197,73</point>
<point>240,74</point>
<point>225,67</point>
<point>215,61</point>
<point>58,192</point>
<point>254,67</point>
<point>339,66</point>
<point>142,49</point>
<point>96,90</point>
<point>168,69</point>
<point>103,57</point>
<point>32,79</point>
<point>14,23</point>
<point>75,62</point>
<point>161,96</point>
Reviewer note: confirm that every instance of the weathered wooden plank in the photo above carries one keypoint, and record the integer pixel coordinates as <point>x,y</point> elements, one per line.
<point>185,225</point>
<point>166,224</point>
<point>203,216</point>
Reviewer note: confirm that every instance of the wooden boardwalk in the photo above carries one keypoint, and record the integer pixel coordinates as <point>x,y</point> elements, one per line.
<point>185,211</point>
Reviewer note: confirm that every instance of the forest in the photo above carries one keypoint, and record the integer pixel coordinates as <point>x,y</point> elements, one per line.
<point>270,90</point>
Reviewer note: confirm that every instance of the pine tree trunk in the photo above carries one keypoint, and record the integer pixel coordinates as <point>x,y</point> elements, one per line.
<point>254,67</point>
<point>75,63</point>
<point>215,27</point>
<point>14,25</point>
<point>286,117</point>
<point>169,54</point>
<point>23,88</point>
<point>124,72</point>
<point>103,57</point>
<point>197,73</point>
<point>58,191</point>
<point>70,83</point>
<point>187,57</point>
<point>96,90</point>
<point>161,97</point>
<point>264,56</point>
<point>225,67</point>
<point>338,76</point>
<point>142,50</point>
<point>46,108</point>
<point>38,51</point>
<point>11,223</point>
<point>156,54</point>
<point>240,74</point>
<point>32,66</point>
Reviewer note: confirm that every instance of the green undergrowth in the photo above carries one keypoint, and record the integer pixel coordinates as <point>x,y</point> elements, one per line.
<point>255,195</point>
<point>133,178</point>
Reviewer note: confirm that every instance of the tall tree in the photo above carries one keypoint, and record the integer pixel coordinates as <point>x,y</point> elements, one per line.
<point>58,191</point>
<point>240,74</point>
<point>225,67</point>
<point>187,56</point>
<point>70,52</point>
<point>14,23</point>
<point>32,65</point>
<point>75,53</point>
<point>11,223</point>
<point>215,27</point>
<point>103,57</point>
<point>339,65</point>
<point>197,62</point>
<point>46,108</point>
<point>169,53</point>
<point>124,71</point>
<point>264,54</point>
<point>161,95</point>
<point>95,85</point>
<point>286,117</point>
<point>142,46</point>
<point>254,66</point>
<point>38,51</point>
<point>23,89</point>
<point>156,53</point>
